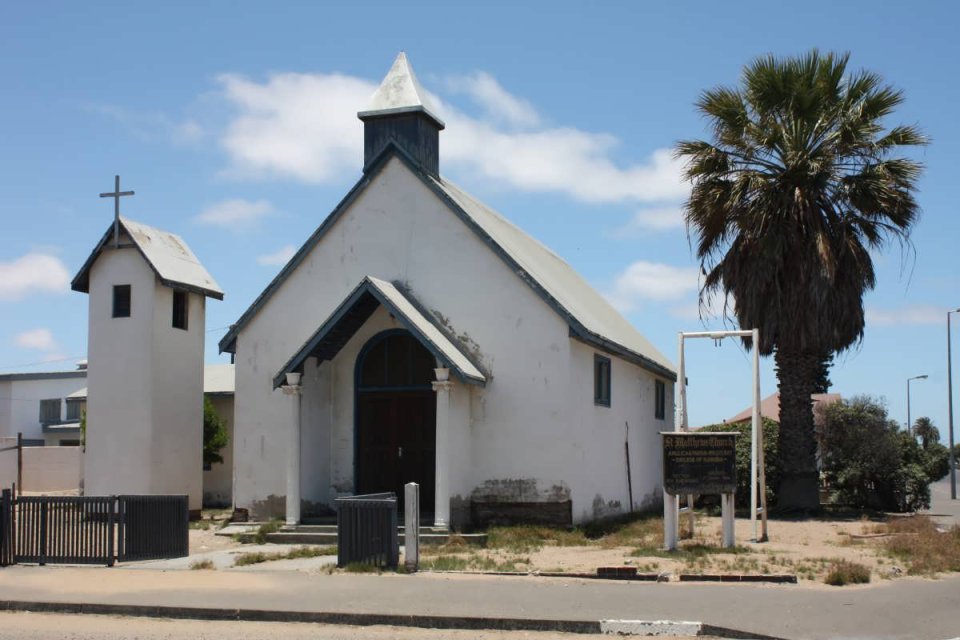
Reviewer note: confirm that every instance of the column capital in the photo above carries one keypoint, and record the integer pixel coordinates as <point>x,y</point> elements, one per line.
<point>442,386</point>
<point>291,389</point>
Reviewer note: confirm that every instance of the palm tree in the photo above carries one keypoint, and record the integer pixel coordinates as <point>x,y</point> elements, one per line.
<point>928,433</point>
<point>799,183</point>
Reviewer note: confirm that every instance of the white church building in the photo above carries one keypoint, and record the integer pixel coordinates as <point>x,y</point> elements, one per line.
<point>430,340</point>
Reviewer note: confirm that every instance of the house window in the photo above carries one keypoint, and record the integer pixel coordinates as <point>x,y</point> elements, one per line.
<point>73,410</point>
<point>601,380</point>
<point>180,310</point>
<point>121,301</point>
<point>660,400</point>
<point>50,411</point>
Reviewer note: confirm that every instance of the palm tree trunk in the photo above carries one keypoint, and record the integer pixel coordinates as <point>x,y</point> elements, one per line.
<point>799,484</point>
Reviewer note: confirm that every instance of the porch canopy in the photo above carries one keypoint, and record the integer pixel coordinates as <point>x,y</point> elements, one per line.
<point>372,292</point>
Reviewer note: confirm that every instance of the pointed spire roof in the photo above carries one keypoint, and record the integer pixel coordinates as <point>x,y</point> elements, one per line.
<point>400,92</point>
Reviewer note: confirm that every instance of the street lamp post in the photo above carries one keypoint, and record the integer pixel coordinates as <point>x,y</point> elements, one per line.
<point>953,462</point>
<point>909,425</point>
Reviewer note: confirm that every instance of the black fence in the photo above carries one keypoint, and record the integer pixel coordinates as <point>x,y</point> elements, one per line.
<point>367,530</point>
<point>64,530</point>
<point>6,528</point>
<point>92,529</point>
<point>152,527</point>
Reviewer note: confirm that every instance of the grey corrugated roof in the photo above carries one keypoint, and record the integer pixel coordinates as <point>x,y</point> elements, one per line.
<point>400,92</point>
<point>336,330</point>
<point>166,253</point>
<point>559,280</point>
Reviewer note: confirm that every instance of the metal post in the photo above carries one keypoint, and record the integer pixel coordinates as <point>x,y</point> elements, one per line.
<point>20,463</point>
<point>953,461</point>
<point>683,425</point>
<point>909,424</point>
<point>759,470</point>
<point>411,527</point>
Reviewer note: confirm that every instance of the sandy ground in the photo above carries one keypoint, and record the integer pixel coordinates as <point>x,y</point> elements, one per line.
<point>803,548</point>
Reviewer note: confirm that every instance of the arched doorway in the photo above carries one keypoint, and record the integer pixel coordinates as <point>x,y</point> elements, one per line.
<point>396,411</point>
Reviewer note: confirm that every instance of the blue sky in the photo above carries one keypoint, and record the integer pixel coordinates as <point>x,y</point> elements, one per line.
<point>235,124</point>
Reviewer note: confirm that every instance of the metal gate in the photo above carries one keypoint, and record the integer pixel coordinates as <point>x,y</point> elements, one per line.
<point>367,530</point>
<point>92,529</point>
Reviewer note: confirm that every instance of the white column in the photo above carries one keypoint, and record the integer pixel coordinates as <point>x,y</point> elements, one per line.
<point>441,509</point>
<point>293,390</point>
<point>728,519</point>
<point>671,508</point>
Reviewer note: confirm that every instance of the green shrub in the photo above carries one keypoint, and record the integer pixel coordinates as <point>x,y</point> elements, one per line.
<point>870,463</point>
<point>771,457</point>
<point>260,537</point>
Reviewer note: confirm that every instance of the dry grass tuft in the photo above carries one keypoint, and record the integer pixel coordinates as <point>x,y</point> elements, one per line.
<point>922,547</point>
<point>843,572</point>
<point>198,565</point>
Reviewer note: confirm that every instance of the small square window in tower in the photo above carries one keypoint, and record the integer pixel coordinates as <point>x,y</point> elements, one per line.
<point>660,397</point>
<point>121,301</point>
<point>180,310</point>
<point>601,380</point>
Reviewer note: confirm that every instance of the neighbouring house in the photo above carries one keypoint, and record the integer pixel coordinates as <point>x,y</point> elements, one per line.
<point>770,407</point>
<point>147,303</point>
<point>28,403</point>
<point>420,336</point>
<point>44,406</point>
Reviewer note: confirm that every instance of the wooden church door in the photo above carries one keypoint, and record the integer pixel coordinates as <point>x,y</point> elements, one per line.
<point>396,410</point>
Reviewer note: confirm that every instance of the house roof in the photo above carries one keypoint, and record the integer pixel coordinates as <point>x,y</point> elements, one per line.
<point>42,375</point>
<point>770,407</point>
<point>166,253</point>
<point>357,307</point>
<point>219,379</point>
<point>400,92</point>
<point>591,318</point>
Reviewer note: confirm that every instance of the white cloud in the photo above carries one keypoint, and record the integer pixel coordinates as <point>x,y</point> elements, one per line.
<point>295,125</point>
<point>40,339</point>
<point>234,214</point>
<point>652,281</point>
<point>32,273</point>
<point>497,102</point>
<point>652,219</point>
<point>304,127</point>
<point>917,314</point>
<point>151,125</point>
<point>280,257</point>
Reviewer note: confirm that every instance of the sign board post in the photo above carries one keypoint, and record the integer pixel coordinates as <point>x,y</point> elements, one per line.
<point>698,463</point>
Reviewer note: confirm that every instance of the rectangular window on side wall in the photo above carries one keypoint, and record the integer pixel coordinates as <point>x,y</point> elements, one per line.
<point>73,410</point>
<point>180,310</point>
<point>121,301</point>
<point>601,380</point>
<point>50,411</point>
<point>660,400</point>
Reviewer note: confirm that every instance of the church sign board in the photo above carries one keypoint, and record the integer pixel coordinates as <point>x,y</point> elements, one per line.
<point>699,463</point>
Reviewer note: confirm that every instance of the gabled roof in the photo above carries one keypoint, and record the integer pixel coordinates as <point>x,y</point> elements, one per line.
<point>166,253</point>
<point>400,92</point>
<point>770,407</point>
<point>591,318</point>
<point>344,322</point>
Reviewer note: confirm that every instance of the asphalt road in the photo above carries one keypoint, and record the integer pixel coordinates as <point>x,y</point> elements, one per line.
<point>45,626</point>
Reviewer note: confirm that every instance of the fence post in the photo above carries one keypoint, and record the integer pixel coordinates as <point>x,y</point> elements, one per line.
<point>6,539</point>
<point>111,529</point>
<point>42,559</point>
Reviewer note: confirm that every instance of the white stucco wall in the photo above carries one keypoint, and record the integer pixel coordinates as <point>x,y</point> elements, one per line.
<point>534,426</point>
<point>45,469</point>
<point>145,386</point>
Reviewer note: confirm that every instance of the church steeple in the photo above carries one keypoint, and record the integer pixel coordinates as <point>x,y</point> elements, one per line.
<point>400,112</point>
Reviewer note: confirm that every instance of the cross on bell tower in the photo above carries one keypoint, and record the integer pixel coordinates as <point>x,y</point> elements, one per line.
<point>116,194</point>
